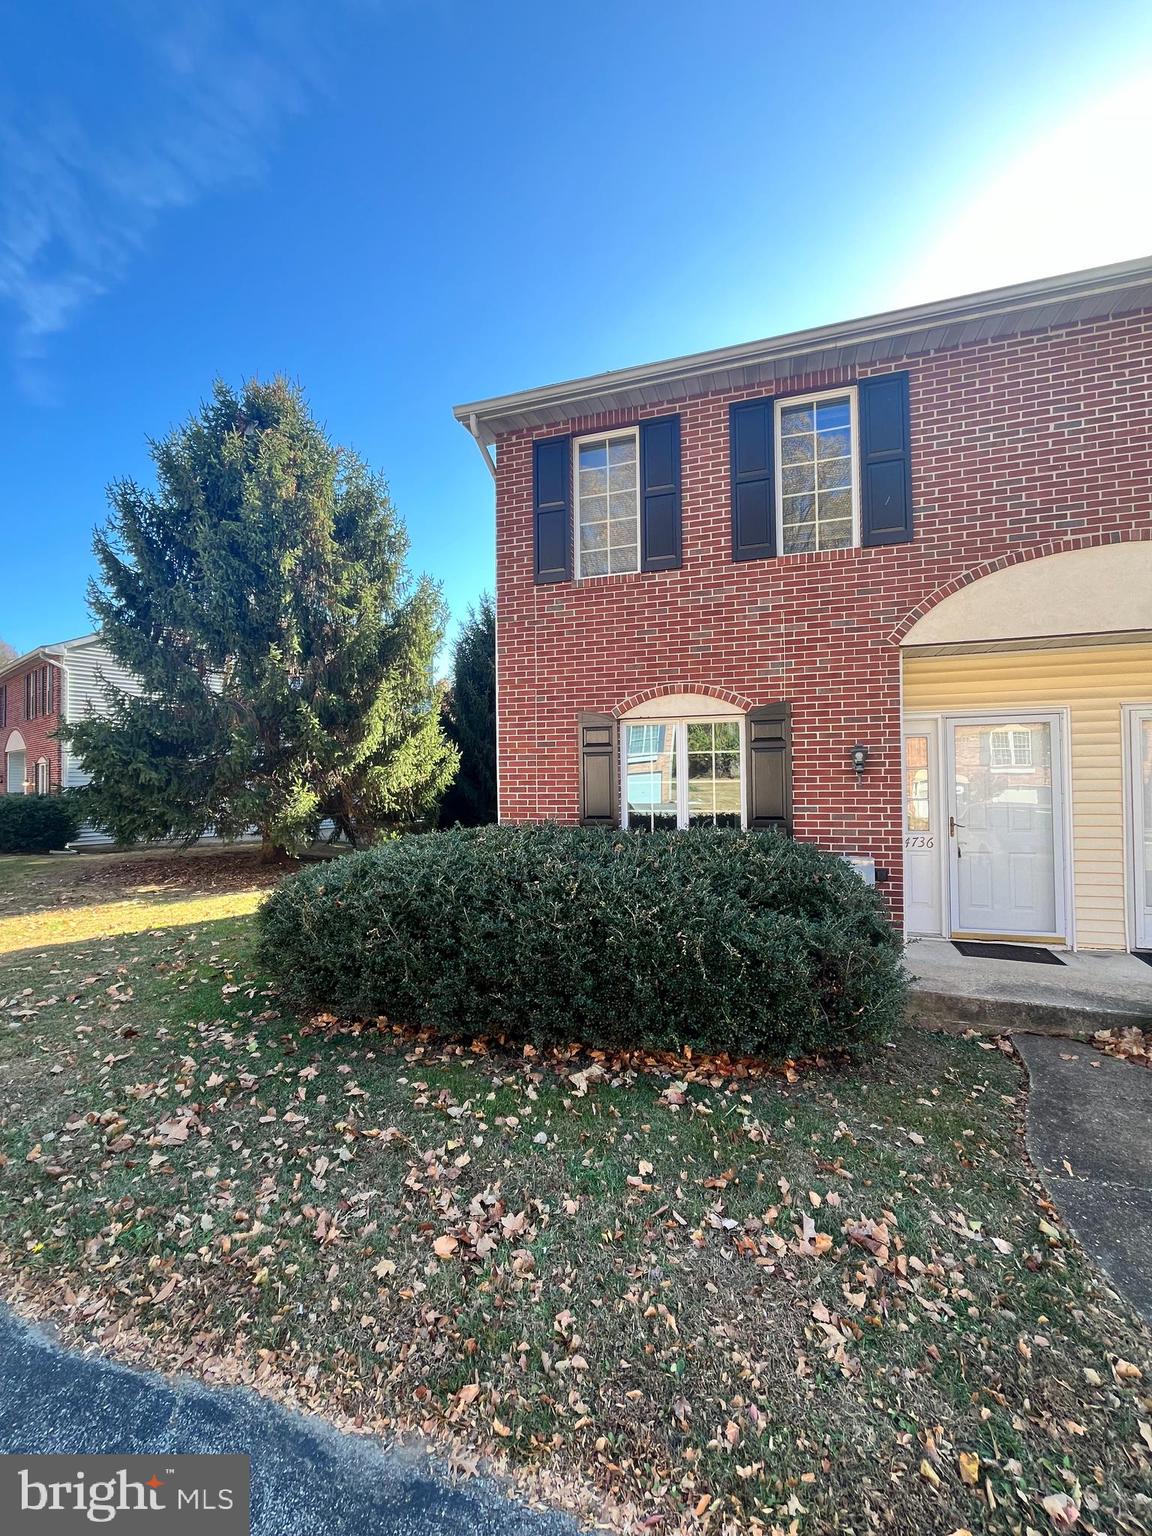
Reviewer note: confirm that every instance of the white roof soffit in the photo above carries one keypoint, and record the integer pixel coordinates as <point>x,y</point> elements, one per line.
<point>1089,295</point>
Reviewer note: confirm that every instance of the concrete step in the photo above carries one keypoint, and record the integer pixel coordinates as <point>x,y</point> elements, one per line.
<point>1089,991</point>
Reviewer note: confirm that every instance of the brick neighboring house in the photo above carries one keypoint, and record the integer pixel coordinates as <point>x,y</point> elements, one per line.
<point>885,585</point>
<point>38,692</point>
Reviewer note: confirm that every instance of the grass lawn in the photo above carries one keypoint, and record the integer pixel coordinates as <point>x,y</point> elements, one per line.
<point>680,1295</point>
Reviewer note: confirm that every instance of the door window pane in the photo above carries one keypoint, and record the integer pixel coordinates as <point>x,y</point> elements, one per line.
<point>917,817</point>
<point>1145,740</point>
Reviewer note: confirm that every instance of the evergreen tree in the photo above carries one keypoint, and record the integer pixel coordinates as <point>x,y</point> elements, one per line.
<point>470,721</point>
<point>260,594</point>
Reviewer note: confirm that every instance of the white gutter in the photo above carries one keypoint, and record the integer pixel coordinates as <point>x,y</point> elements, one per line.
<point>474,428</point>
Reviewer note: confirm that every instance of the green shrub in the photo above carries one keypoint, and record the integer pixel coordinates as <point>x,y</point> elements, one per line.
<point>36,823</point>
<point>724,941</point>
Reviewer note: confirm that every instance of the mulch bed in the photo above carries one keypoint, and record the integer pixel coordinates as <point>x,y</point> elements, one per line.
<point>186,870</point>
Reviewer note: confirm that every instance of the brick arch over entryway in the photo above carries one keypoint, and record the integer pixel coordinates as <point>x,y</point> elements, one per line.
<point>725,695</point>
<point>1014,557</point>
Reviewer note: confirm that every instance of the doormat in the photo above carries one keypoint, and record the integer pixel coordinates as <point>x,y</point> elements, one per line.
<point>1033,952</point>
<point>1143,954</point>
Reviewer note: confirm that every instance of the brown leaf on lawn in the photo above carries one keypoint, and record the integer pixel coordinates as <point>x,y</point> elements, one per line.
<point>928,1473</point>
<point>501,1429</point>
<point>969,1468</point>
<point>444,1247</point>
<point>165,1290</point>
<point>384,1269</point>
<point>326,1230</point>
<point>1124,1370</point>
<point>1063,1511</point>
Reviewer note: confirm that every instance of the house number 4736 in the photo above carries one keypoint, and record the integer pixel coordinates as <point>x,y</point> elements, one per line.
<point>920,840</point>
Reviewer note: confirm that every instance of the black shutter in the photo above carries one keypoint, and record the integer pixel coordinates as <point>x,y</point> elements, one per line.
<point>750,431</point>
<point>885,460</point>
<point>551,508</point>
<point>599,801</point>
<point>769,753</point>
<point>660,494</point>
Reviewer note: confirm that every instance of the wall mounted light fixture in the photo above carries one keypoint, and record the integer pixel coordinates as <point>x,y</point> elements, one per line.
<point>859,759</point>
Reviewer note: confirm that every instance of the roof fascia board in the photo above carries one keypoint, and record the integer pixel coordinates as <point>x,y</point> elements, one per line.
<point>852,333</point>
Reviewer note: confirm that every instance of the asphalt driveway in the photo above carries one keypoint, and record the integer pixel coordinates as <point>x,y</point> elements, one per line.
<point>1090,1134</point>
<point>306,1477</point>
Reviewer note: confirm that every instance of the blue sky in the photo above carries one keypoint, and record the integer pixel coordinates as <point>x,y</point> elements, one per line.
<point>408,205</point>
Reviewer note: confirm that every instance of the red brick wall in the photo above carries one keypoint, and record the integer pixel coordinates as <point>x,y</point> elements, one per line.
<point>1021,447</point>
<point>36,733</point>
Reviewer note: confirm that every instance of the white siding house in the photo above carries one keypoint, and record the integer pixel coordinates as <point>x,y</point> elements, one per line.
<point>86,665</point>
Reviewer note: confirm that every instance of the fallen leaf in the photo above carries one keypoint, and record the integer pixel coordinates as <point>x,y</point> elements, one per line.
<point>969,1468</point>
<point>1063,1511</point>
<point>444,1247</point>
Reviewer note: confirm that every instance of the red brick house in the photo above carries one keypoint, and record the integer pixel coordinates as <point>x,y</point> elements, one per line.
<point>38,692</point>
<point>885,585</point>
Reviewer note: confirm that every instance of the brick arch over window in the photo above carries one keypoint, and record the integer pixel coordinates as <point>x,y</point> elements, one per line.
<point>1014,557</point>
<point>725,695</point>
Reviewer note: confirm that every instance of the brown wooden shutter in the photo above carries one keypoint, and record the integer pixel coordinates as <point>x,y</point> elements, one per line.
<point>769,753</point>
<point>599,774</point>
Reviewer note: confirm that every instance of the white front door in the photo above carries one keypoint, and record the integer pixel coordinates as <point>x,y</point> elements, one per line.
<point>1005,837</point>
<point>1140,803</point>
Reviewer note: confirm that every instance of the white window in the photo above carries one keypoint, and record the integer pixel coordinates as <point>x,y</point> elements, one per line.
<point>607,499</point>
<point>41,775</point>
<point>683,773</point>
<point>1010,749</point>
<point>816,496</point>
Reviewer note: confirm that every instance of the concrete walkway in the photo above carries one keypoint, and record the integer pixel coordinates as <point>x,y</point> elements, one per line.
<point>306,1477</point>
<point>1089,991</point>
<point>1090,1134</point>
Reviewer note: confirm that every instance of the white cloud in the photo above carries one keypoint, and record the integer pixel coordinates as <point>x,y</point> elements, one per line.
<point>79,195</point>
<point>1077,194</point>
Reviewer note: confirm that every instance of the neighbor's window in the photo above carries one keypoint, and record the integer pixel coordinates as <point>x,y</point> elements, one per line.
<point>38,693</point>
<point>42,776</point>
<point>659,795</point>
<point>1010,749</point>
<point>816,500</point>
<point>4,704</point>
<point>607,504</point>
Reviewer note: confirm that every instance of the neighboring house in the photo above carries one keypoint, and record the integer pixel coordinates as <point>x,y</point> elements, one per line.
<point>884,585</point>
<point>39,692</point>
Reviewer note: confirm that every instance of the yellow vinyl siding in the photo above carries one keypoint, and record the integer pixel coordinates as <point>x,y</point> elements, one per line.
<point>1092,683</point>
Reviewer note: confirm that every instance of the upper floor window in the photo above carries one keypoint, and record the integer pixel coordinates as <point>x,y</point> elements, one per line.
<point>607,497</point>
<point>817,483</point>
<point>38,693</point>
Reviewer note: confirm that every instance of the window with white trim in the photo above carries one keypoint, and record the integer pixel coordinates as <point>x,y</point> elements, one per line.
<point>816,496</point>
<point>607,503</point>
<point>42,776</point>
<point>1010,749</point>
<point>682,773</point>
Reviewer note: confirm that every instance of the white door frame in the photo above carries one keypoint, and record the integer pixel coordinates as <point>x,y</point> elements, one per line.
<point>1057,719</point>
<point>926,725</point>
<point>1134,829</point>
